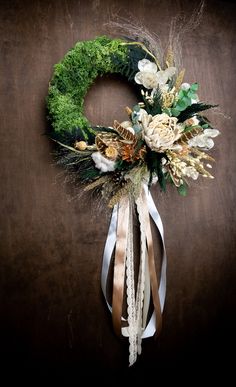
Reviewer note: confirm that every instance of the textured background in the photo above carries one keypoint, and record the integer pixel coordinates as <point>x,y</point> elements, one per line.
<point>54,322</point>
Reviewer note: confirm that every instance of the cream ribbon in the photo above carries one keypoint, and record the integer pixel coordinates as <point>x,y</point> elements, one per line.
<point>118,237</point>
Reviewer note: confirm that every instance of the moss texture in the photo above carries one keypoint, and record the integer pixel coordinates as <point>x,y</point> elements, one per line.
<point>75,74</point>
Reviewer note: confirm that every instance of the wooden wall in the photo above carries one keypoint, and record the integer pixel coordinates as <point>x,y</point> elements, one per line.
<point>54,322</point>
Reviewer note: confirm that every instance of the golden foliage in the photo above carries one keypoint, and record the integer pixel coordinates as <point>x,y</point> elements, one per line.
<point>179,80</point>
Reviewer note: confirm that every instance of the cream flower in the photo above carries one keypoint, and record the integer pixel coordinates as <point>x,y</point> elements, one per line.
<point>149,77</point>
<point>160,131</point>
<point>190,172</point>
<point>102,162</point>
<point>204,140</point>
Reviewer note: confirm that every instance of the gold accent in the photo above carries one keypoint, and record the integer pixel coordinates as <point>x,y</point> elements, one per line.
<point>119,194</point>
<point>167,99</point>
<point>124,133</point>
<point>128,110</point>
<point>80,145</point>
<point>179,80</point>
<point>101,180</point>
<point>190,134</point>
<point>111,152</point>
<point>103,140</point>
<point>201,155</point>
<point>169,57</point>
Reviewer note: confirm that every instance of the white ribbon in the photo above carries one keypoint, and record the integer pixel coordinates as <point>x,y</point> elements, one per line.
<point>108,251</point>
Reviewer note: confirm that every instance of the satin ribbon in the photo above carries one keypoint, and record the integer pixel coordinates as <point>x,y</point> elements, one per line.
<point>151,264</point>
<point>117,231</point>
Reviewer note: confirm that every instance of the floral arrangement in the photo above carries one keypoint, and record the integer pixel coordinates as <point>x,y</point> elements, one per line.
<point>165,139</point>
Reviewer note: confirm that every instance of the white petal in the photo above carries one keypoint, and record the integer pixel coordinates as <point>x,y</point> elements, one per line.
<point>149,80</point>
<point>130,129</point>
<point>139,78</point>
<point>195,121</point>
<point>211,132</point>
<point>146,65</point>
<point>164,88</point>
<point>201,140</point>
<point>103,168</point>
<point>209,143</point>
<point>162,78</point>
<point>185,86</point>
<point>194,100</point>
<point>170,71</point>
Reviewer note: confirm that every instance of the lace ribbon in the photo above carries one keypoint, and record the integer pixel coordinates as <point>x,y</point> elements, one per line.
<point>120,238</point>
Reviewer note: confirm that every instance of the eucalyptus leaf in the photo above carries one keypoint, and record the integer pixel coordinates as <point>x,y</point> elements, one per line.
<point>187,101</point>
<point>181,94</point>
<point>192,95</point>
<point>181,105</point>
<point>194,87</point>
<point>175,112</point>
<point>167,111</point>
<point>182,189</point>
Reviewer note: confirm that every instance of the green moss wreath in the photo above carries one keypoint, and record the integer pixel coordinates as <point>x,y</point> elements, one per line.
<point>78,70</point>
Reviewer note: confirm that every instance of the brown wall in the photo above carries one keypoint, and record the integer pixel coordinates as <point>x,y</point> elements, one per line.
<point>53,318</point>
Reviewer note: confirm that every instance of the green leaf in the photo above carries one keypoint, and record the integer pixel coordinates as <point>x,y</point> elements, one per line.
<point>181,94</point>
<point>167,111</point>
<point>205,126</point>
<point>182,189</point>
<point>181,105</point>
<point>175,112</point>
<point>187,101</point>
<point>192,95</point>
<point>194,87</point>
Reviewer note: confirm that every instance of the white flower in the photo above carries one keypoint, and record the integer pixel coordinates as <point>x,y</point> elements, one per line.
<point>190,172</point>
<point>204,140</point>
<point>102,162</point>
<point>149,77</point>
<point>185,86</point>
<point>160,131</point>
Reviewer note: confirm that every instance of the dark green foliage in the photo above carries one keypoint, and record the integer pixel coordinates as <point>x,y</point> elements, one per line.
<point>122,165</point>
<point>155,108</point>
<point>204,122</point>
<point>69,137</point>
<point>129,67</point>
<point>195,108</point>
<point>154,164</point>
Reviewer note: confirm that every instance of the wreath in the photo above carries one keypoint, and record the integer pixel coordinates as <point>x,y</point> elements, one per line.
<point>165,139</point>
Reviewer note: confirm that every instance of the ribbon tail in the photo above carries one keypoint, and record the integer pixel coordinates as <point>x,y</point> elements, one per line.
<point>108,251</point>
<point>151,327</point>
<point>119,264</point>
